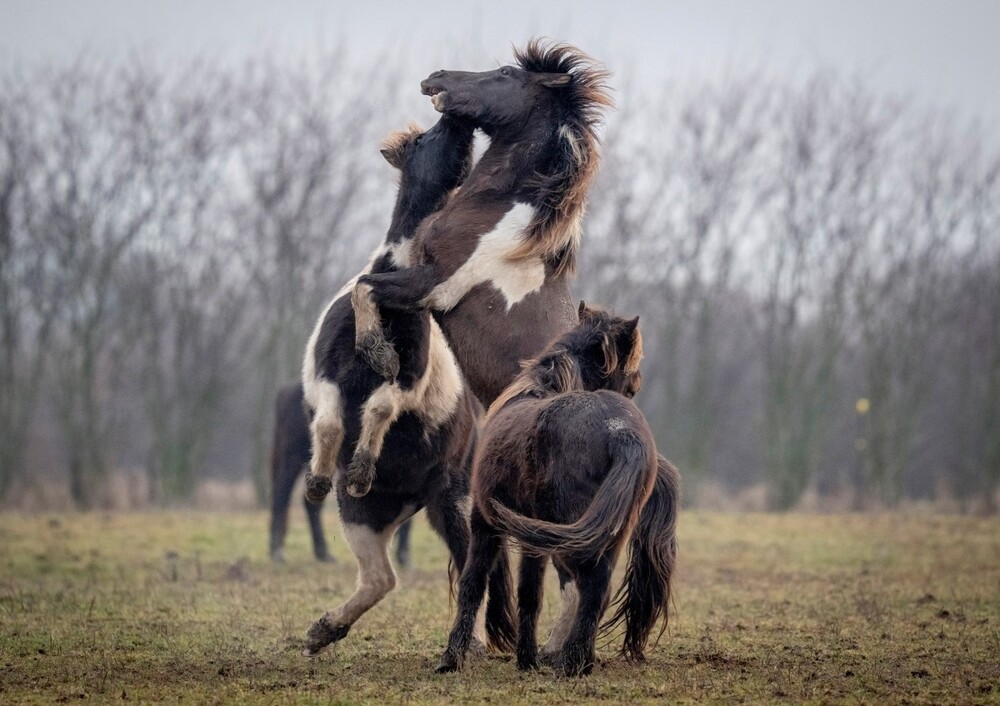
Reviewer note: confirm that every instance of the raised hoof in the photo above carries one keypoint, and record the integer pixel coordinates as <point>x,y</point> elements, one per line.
<point>360,474</point>
<point>450,662</point>
<point>378,354</point>
<point>326,558</point>
<point>322,634</point>
<point>317,488</point>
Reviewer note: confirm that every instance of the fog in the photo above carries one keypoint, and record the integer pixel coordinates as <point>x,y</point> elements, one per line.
<point>801,200</point>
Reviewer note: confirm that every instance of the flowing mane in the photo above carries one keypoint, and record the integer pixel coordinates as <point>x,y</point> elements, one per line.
<point>554,233</point>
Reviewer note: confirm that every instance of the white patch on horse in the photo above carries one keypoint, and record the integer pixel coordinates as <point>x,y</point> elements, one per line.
<point>492,262</point>
<point>617,424</point>
<point>327,426</point>
<point>564,623</point>
<point>376,576</point>
<point>309,362</point>
<point>433,398</point>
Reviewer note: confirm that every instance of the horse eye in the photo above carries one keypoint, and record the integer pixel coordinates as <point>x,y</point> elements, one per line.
<point>418,140</point>
<point>505,71</point>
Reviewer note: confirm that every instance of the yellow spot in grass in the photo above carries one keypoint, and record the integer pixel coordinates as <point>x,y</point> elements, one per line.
<point>862,405</point>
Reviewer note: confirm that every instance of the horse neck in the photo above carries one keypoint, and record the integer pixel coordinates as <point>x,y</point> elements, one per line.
<point>411,208</point>
<point>512,158</point>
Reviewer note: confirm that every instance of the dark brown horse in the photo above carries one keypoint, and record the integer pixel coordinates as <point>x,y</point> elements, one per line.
<point>290,453</point>
<point>565,466</point>
<point>494,262</point>
<point>405,443</point>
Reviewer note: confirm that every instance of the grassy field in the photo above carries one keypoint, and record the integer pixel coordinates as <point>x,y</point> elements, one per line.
<point>783,608</point>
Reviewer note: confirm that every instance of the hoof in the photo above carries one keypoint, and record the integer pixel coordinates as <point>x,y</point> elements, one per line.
<point>378,354</point>
<point>450,662</point>
<point>360,474</point>
<point>322,634</point>
<point>527,663</point>
<point>549,658</point>
<point>277,556</point>
<point>576,664</point>
<point>477,648</point>
<point>317,488</point>
<point>326,558</point>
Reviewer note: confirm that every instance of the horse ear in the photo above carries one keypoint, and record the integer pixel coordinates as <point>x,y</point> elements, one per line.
<point>391,156</point>
<point>554,80</point>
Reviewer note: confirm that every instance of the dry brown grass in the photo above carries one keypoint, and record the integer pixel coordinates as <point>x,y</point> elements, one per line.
<point>183,606</point>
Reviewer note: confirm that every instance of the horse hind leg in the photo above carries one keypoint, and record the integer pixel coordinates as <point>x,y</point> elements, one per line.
<point>375,579</point>
<point>380,410</point>
<point>594,579</point>
<point>327,433</point>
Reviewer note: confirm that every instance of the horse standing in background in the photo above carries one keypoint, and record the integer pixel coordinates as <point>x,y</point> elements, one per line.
<point>565,466</point>
<point>290,453</point>
<point>404,443</point>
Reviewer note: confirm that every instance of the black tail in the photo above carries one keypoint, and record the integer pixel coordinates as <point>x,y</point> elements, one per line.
<point>644,596</point>
<point>611,514</point>
<point>501,631</point>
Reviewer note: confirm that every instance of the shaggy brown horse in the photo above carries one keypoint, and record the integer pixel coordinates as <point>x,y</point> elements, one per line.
<point>290,453</point>
<point>565,466</point>
<point>494,262</point>
<point>403,444</point>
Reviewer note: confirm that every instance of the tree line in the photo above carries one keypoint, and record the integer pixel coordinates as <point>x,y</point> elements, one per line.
<point>816,264</point>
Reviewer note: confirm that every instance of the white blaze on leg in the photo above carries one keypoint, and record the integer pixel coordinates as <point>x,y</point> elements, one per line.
<point>327,426</point>
<point>375,574</point>
<point>380,411</point>
<point>564,623</point>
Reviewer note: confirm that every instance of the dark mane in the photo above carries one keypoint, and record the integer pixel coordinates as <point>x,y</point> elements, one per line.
<point>569,363</point>
<point>554,233</point>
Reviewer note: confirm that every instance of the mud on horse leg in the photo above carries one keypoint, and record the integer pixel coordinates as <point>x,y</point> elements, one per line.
<point>376,578</point>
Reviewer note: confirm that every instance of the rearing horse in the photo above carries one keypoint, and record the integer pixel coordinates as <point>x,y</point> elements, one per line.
<point>494,262</point>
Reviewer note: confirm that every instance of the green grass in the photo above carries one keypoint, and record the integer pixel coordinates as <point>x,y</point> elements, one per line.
<point>177,606</point>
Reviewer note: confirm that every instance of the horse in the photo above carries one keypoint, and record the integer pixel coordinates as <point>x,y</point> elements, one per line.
<point>494,263</point>
<point>425,417</point>
<point>290,453</point>
<point>565,466</point>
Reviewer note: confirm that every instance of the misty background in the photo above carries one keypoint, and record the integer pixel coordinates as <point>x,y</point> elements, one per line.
<point>800,199</point>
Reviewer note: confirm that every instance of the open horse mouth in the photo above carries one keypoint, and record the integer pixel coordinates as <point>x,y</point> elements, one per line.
<point>436,93</point>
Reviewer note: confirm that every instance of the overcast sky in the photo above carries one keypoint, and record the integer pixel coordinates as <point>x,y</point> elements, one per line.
<point>943,54</point>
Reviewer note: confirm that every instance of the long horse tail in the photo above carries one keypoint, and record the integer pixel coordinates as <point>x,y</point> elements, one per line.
<point>644,595</point>
<point>501,629</point>
<point>611,514</point>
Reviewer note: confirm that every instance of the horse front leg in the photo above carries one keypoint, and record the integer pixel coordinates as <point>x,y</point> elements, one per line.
<point>375,579</point>
<point>400,289</point>
<point>378,413</point>
<point>327,432</point>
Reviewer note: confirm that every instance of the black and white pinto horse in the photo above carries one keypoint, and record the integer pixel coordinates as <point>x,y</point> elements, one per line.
<point>424,417</point>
